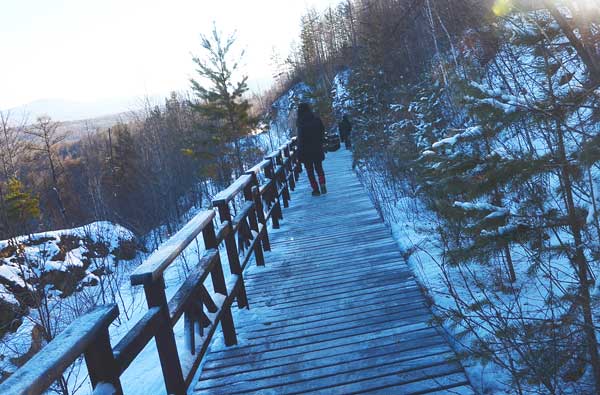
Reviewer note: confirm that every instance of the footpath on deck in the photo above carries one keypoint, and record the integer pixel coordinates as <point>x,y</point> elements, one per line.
<point>336,310</point>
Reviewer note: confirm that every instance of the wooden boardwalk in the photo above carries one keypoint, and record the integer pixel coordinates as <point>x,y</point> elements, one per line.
<point>336,309</point>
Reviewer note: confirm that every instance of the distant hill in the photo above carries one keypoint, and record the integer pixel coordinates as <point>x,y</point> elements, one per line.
<point>82,117</point>
<point>68,110</point>
<point>79,128</point>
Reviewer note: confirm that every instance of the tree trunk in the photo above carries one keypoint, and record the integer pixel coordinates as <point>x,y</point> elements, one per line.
<point>580,261</point>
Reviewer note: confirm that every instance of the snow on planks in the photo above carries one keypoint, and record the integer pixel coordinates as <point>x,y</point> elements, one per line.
<point>336,310</point>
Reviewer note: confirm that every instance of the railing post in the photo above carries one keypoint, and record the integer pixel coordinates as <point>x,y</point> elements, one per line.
<point>289,168</point>
<point>101,363</point>
<point>190,317</point>
<point>218,280</point>
<point>261,218</point>
<point>258,252</point>
<point>274,198</point>
<point>283,179</point>
<point>260,214</point>
<point>165,339</point>
<point>232,253</point>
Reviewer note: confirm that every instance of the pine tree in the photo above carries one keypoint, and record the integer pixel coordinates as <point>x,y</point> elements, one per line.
<point>20,209</point>
<point>512,183</point>
<point>123,177</point>
<point>220,101</point>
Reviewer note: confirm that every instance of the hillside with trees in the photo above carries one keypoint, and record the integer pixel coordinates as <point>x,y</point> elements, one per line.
<point>78,214</point>
<point>476,131</point>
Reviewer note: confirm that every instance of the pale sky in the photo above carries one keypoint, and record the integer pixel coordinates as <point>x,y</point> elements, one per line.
<point>86,50</point>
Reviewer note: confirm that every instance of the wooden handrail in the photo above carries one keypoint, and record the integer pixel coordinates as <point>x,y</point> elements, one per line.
<point>46,366</point>
<point>258,168</point>
<point>136,339</point>
<point>88,335</point>
<point>232,190</point>
<point>160,259</point>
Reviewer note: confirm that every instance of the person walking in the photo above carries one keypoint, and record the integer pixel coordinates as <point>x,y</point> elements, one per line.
<point>311,137</point>
<point>345,127</point>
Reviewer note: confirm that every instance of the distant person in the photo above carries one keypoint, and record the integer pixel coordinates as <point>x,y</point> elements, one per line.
<point>345,127</point>
<point>311,137</point>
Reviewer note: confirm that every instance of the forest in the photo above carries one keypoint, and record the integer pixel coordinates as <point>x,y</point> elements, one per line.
<point>476,132</point>
<point>78,214</point>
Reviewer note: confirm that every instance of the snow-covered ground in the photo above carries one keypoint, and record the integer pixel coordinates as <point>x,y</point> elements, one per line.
<point>542,286</point>
<point>48,279</point>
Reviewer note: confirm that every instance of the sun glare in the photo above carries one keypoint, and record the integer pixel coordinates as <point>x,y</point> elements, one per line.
<point>502,7</point>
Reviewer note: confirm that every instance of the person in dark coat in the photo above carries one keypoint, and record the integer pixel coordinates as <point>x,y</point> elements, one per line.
<point>345,127</point>
<point>311,137</point>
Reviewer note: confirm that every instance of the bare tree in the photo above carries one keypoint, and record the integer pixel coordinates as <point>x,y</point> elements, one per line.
<point>45,139</point>
<point>11,144</point>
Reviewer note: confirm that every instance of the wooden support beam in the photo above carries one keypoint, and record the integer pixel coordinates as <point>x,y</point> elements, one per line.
<point>89,335</point>
<point>136,339</point>
<point>154,266</point>
<point>258,205</point>
<point>253,220</point>
<point>219,286</point>
<point>272,195</point>
<point>165,338</point>
<point>101,363</point>
<point>232,252</point>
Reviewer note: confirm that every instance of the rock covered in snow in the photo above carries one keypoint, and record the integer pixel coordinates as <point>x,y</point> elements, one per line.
<point>57,264</point>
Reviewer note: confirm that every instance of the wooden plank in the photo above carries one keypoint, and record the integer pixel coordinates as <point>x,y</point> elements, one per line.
<point>414,340</point>
<point>243,354</point>
<point>368,277</point>
<point>48,364</point>
<point>223,231</point>
<point>267,325</point>
<point>319,278</point>
<point>251,247</point>
<point>434,383</point>
<point>320,314</point>
<point>229,193</point>
<point>351,249</point>
<point>136,339</point>
<point>246,207</point>
<point>344,291</point>
<point>310,377</point>
<point>259,167</point>
<point>159,260</point>
<point>402,374</point>
<point>360,294</point>
<point>339,322</point>
<point>193,282</point>
<point>165,338</point>
<point>283,266</point>
<point>330,357</point>
<point>191,362</point>
<point>449,390</point>
<point>337,328</point>
<point>273,154</point>
<point>362,300</point>
<point>337,310</point>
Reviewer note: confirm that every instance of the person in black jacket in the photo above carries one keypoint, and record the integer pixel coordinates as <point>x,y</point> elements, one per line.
<point>345,127</point>
<point>311,136</point>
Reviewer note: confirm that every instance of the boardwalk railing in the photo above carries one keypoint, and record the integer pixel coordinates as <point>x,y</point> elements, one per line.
<point>255,198</point>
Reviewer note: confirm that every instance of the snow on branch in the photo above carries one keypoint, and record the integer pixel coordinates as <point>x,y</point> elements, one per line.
<point>470,132</point>
<point>500,100</point>
<point>480,207</point>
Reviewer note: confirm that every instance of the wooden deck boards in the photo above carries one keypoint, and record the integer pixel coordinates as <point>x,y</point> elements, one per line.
<point>336,310</point>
